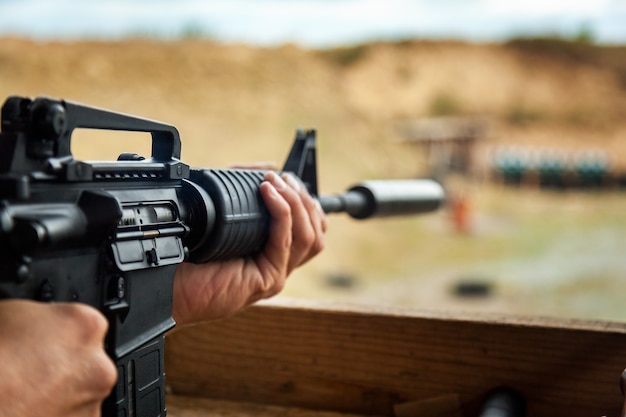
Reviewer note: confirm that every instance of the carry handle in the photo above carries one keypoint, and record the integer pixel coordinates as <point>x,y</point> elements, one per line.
<point>59,118</point>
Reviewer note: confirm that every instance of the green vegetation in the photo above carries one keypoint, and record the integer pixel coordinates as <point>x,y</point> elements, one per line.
<point>194,30</point>
<point>347,56</point>
<point>445,104</point>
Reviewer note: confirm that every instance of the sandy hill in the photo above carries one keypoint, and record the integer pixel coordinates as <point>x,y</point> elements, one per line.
<point>238,103</point>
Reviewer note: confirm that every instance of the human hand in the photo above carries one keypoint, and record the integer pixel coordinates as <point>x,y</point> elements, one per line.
<point>53,360</point>
<point>219,289</point>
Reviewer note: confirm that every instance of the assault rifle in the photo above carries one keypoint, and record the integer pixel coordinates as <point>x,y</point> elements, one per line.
<point>111,233</point>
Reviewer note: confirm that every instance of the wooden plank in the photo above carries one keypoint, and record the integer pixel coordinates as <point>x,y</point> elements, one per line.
<point>180,406</point>
<point>368,361</point>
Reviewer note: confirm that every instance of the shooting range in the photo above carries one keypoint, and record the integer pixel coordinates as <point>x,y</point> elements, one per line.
<point>511,289</point>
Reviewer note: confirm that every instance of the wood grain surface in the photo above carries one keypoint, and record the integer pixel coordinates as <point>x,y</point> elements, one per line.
<point>180,406</point>
<point>367,361</point>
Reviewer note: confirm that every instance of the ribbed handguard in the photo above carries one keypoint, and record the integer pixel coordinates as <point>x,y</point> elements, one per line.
<point>241,224</point>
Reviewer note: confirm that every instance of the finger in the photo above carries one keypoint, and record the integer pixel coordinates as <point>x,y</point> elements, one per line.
<point>322,213</point>
<point>304,214</point>
<point>319,223</point>
<point>309,240</point>
<point>313,207</point>
<point>277,248</point>
<point>100,373</point>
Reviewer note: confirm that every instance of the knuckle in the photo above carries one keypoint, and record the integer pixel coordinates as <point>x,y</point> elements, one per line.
<point>286,210</point>
<point>104,375</point>
<point>90,322</point>
<point>319,246</point>
<point>282,208</point>
<point>275,289</point>
<point>307,237</point>
<point>99,376</point>
<point>286,242</point>
<point>93,373</point>
<point>271,287</point>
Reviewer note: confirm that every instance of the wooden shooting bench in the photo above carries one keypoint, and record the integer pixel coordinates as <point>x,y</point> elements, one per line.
<point>305,359</point>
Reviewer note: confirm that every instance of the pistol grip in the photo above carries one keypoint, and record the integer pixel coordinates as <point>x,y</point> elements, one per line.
<point>140,388</point>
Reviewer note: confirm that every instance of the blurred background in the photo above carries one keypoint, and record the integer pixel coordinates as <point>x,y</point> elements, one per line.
<point>518,109</point>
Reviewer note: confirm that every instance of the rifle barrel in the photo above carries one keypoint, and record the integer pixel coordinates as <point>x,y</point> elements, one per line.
<point>383,198</point>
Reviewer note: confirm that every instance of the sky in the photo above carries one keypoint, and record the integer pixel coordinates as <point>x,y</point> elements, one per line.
<point>314,23</point>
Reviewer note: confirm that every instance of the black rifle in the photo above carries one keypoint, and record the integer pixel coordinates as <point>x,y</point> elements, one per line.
<point>111,233</point>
